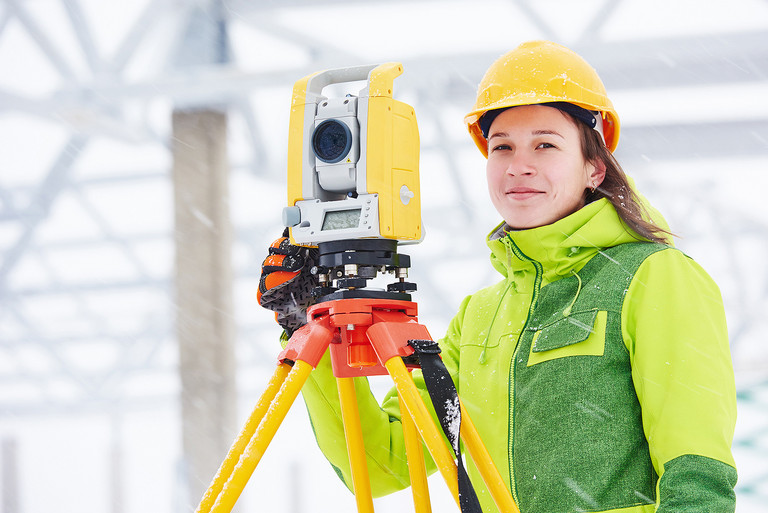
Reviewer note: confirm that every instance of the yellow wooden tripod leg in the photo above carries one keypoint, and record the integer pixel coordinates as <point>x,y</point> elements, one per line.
<point>485,466</point>
<point>437,445</point>
<point>416,466</point>
<point>353,432</point>
<point>262,437</point>
<point>241,442</point>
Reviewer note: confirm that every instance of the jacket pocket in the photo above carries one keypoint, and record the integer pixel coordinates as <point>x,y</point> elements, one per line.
<point>579,334</point>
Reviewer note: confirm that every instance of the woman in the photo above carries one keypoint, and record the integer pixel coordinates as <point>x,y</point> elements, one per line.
<point>597,370</point>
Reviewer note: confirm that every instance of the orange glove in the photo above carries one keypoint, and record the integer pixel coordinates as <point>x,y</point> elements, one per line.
<point>286,282</point>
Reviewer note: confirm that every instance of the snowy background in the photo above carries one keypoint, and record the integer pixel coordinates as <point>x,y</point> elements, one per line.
<point>90,418</point>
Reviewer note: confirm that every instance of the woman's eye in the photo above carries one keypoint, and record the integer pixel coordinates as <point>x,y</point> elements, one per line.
<point>545,145</point>
<point>501,147</point>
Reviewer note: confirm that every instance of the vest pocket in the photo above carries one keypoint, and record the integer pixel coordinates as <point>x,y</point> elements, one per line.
<point>579,334</point>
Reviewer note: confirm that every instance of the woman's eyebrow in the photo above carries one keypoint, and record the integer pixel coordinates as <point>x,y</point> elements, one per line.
<point>497,134</point>
<point>547,132</point>
<point>534,132</point>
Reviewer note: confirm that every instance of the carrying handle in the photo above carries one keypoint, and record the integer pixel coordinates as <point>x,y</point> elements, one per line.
<point>380,78</point>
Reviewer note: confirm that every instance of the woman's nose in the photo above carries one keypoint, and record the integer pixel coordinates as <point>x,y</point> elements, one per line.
<point>520,165</point>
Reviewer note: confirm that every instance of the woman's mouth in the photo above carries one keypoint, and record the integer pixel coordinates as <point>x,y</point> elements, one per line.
<point>523,192</point>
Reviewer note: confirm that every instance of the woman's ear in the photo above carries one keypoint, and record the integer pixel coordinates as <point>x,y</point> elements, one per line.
<point>597,173</point>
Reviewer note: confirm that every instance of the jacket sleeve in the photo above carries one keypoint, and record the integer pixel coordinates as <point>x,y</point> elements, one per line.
<point>674,327</point>
<point>382,430</point>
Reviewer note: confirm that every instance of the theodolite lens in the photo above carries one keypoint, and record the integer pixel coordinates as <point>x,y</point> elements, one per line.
<point>331,141</point>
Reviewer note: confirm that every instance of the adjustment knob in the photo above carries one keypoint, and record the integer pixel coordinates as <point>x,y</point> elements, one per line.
<point>291,216</point>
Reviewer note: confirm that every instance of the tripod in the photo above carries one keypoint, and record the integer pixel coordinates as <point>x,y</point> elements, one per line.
<point>368,333</point>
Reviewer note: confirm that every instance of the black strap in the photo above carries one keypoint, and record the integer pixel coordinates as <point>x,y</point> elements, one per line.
<point>445,400</point>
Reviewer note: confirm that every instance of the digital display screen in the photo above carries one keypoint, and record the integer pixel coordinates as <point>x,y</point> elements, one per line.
<point>341,219</point>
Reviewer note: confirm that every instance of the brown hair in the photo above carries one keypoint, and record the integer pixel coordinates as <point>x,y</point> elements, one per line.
<point>616,189</point>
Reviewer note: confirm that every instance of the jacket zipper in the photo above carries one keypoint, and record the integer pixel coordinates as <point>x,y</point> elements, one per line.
<point>536,286</point>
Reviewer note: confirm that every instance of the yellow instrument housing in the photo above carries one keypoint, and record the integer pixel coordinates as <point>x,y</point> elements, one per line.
<point>389,152</point>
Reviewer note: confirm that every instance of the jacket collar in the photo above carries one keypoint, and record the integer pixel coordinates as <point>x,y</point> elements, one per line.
<point>562,247</point>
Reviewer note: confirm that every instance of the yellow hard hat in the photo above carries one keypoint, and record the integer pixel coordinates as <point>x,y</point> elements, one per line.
<point>539,72</point>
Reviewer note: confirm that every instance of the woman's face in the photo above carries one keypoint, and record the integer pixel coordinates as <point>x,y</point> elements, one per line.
<point>536,169</point>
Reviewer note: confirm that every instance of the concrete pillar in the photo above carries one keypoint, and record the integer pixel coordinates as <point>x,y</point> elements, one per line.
<point>204,321</point>
<point>10,471</point>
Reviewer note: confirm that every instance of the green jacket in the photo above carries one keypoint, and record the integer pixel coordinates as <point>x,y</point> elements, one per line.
<point>587,400</point>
